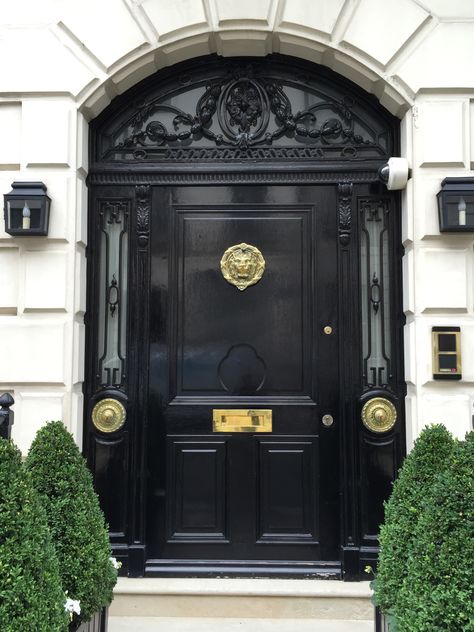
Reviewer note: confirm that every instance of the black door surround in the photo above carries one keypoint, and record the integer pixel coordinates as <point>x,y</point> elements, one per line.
<point>337,156</point>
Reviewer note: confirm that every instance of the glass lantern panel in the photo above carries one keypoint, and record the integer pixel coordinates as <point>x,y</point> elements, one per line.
<point>15,213</point>
<point>460,210</point>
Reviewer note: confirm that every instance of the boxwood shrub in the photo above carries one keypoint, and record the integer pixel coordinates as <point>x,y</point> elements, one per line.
<point>31,596</point>
<point>431,452</point>
<point>437,594</point>
<point>79,533</point>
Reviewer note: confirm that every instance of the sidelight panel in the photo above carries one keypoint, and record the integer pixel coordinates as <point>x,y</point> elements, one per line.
<point>375,292</point>
<point>113,270</point>
<point>380,424</point>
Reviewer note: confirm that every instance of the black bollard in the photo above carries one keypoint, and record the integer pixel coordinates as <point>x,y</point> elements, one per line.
<point>6,415</point>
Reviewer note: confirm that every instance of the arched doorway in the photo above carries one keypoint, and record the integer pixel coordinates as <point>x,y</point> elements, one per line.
<point>244,304</point>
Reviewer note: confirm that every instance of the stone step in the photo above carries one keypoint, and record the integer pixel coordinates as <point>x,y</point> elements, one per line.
<point>220,624</point>
<point>232,599</point>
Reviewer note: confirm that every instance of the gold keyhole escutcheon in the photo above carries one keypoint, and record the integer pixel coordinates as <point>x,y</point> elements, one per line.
<point>109,415</point>
<point>379,415</point>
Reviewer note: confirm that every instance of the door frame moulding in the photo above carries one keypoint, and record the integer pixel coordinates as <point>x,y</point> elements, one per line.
<point>248,174</point>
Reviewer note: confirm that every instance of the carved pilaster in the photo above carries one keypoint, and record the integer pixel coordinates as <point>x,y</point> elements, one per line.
<point>344,205</point>
<point>139,332</point>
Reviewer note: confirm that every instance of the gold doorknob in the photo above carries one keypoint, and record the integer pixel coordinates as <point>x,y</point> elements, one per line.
<point>379,414</point>
<point>108,415</point>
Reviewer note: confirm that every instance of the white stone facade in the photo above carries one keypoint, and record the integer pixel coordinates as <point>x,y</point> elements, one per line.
<point>63,61</point>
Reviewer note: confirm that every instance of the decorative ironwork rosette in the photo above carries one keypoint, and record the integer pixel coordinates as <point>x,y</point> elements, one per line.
<point>242,265</point>
<point>379,415</point>
<point>109,415</point>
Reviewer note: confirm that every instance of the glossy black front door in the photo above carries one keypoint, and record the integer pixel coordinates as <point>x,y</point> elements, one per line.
<point>239,496</point>
<point>283,155</point>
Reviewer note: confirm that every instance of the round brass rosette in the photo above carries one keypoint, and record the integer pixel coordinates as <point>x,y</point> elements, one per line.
<point>242,265</point>
<point>108,415</point>
<point>379,414</point>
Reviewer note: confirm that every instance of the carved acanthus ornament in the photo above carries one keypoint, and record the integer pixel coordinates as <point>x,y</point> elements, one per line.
<point>345,212</point>
<point>142,193</point>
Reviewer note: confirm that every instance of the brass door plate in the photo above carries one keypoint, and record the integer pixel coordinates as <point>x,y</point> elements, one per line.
<point>379,414</point>
<point>241,420</point>
<point>108,415</point>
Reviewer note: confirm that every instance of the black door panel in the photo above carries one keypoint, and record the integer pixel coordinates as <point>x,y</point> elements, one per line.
<point>242,496</point>
<point>196,508</point>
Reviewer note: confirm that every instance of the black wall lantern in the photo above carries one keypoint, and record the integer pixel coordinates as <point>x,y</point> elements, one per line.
<point>27,209</point>
<point>456,205</point>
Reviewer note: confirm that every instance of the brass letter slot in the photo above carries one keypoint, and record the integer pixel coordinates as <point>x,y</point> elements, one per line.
<point>237,420</point>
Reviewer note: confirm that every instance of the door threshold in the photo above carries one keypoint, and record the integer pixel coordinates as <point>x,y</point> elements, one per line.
<point>184,598</point>
<point>245,568</point>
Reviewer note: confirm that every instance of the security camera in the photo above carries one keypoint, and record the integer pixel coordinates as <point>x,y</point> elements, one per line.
<point>395,173</point>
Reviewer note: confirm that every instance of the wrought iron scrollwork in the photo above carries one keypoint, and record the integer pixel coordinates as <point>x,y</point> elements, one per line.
<point>243,110</point>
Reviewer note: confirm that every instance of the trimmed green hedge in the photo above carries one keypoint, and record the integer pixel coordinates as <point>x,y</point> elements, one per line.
<point>429,456</point>
<point>425,578</point>
<point>438,592</point>
<point>31,596</point>
<point>60,475</point>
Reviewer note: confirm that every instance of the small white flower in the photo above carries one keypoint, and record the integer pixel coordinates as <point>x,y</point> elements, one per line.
<point>72,605</point>
<point>114,562</point>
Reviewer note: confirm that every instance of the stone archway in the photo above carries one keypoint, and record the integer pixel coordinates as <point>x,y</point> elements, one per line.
<point>320,41</point>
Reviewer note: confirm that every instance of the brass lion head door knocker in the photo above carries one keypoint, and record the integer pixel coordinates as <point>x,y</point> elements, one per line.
<point>242,265</point>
